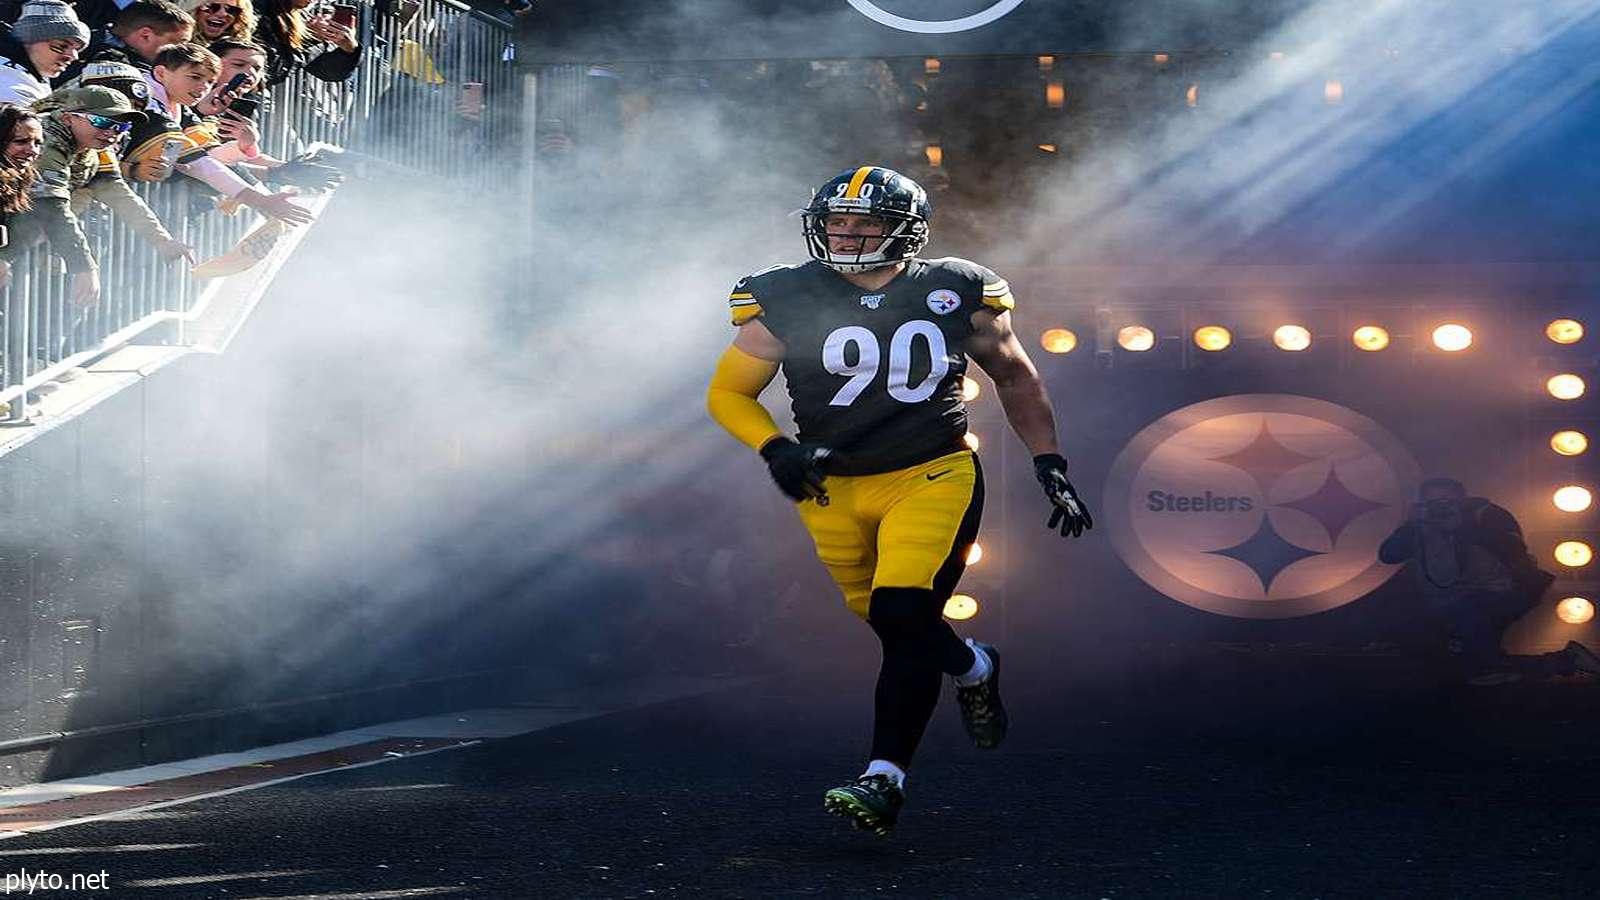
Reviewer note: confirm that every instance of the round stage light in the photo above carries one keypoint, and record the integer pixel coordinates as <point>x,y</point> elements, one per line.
<point>1572,498</point>
<point>971,441</point>
<point>1564,331</point>
<point>969,389</point>
<point>960,607</point>
<point>1058,340</point>
<point>1292,337</point>
<point>1452,338</point>
<point>1565,386</point>
<point>1212,337</point>
<point>1575,610</point>
<point>974,553</point>
<point>1569,443</point>
<point>1136,338</point>
<point>1370,337</point>
<point>1574,553</point>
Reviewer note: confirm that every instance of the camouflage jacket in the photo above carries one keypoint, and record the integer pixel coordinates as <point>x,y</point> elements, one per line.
<point>69,180</point>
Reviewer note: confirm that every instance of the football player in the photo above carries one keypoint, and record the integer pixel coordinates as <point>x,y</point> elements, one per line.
<point>873,343</point>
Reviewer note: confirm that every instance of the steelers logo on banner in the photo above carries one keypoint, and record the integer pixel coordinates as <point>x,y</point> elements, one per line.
<point>1259,506</point>
<point>990,12</point>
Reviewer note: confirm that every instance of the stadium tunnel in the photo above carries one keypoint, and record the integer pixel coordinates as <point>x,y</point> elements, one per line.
<point>438,495</point>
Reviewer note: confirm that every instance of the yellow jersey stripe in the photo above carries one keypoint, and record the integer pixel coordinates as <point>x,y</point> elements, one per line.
<point>1001,302</point>
<point>743,314</point>
<point>741,296</point>
<point>853,191</point>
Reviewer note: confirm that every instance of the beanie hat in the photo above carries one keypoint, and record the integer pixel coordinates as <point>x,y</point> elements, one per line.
<point>119,76</point>
<point>49,20</point>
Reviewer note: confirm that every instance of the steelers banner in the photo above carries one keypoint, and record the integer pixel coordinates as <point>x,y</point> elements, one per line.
<point>620,30</point>
<point>1261,506</point>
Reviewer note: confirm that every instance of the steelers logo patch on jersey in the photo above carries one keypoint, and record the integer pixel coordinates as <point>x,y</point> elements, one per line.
<point>944,301</point>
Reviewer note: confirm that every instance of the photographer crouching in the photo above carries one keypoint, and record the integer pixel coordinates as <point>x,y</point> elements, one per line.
<point>1477,578</point>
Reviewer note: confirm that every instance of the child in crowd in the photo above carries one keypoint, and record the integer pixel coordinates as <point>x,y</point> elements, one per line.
<point>182,76</point>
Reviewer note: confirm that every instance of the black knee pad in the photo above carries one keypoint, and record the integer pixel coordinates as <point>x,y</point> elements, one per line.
<point>903,612</point>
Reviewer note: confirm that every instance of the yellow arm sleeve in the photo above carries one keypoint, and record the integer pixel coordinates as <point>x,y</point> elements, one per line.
<point>731,398</point>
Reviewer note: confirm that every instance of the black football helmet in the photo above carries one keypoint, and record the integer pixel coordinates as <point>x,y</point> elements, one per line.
<point>869,191</point>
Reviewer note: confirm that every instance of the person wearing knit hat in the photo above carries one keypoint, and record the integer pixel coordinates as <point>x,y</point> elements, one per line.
<point>44,20</point>
<point>39,47</point>
<point>118,76</point>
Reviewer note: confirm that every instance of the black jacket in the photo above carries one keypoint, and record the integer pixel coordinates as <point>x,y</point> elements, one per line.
<point>320,60</point>
<point>1483,524</point>
<point>103,47</point>
<point>96,14</point>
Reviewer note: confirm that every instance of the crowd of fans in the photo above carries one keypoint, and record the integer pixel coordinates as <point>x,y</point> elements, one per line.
<point>100,94</point>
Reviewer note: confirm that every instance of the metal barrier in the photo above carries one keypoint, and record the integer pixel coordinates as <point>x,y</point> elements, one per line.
<point>435,96</point>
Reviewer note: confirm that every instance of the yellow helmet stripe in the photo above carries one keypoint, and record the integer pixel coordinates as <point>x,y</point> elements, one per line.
<point>853,191</point>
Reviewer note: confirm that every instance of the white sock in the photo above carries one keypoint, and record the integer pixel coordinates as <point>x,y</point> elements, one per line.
<point>884,767</point>
<point>981,667</point>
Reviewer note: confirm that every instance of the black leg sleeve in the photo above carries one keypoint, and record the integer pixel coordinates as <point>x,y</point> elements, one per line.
<point>919,647</point>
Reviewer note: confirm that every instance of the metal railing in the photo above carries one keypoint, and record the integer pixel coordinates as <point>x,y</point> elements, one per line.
<point>435,96</point>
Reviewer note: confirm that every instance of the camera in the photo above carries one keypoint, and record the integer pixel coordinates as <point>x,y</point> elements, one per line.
<point>1440,509</point>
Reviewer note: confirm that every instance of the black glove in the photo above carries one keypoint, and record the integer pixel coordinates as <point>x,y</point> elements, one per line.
<point>796,467</point>
<point>1070,512</point>
<point>306,173</point>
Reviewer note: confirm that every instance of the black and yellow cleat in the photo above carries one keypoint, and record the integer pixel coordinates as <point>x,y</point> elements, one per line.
<point>982,713</point>
<point>871,803</point>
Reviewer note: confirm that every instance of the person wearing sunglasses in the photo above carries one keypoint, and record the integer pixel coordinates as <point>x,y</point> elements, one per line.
<point>76,168</point>
<point>37,49</point>
<point>219,20</point>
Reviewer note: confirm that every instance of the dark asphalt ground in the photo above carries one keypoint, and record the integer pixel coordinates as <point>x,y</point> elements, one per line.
<point>1232,775</point>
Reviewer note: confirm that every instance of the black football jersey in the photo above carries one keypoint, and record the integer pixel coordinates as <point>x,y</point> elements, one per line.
<point>874,375</point>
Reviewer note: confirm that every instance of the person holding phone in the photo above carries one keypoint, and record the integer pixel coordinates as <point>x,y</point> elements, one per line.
<point>183,75</point>
<point>325,44</point>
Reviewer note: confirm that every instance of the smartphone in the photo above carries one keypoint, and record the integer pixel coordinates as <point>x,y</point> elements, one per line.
<point>235,82</point>
<point>472,97</point>
<point>344,14</point>
<point>246,106</point>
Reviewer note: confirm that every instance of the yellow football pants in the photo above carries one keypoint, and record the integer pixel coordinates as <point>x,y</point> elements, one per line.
<point>907,528</point>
